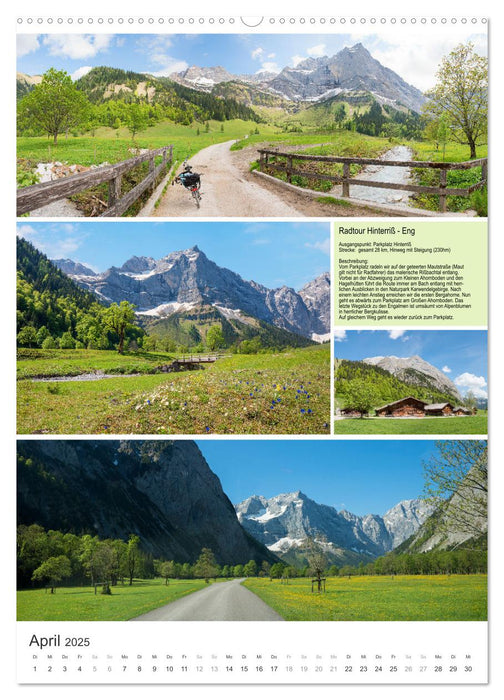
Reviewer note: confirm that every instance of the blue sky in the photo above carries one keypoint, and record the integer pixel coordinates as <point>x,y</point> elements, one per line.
<point>461,355</point>
<point>362,476</point>
<point>272,254</point>
<point>413,54</point>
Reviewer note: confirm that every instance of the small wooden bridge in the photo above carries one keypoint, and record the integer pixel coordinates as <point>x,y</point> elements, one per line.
<point>35,196</point>
<point>189,362</point>
<point>271,161</point>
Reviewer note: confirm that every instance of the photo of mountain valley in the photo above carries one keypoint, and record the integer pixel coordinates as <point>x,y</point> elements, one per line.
<point>349,124</point>
<point>421,382</point>
<point>173,328</point>
<point>251,530</point>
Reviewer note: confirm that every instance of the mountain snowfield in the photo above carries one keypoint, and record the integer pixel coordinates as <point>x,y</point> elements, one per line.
<point>283,522</point>
<point>185,279</point>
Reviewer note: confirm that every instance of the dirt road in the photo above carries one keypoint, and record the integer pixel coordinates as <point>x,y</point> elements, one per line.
<point>224,191</point>
<point>219,601</point>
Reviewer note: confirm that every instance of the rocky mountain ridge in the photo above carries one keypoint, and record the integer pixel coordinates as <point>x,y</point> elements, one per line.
<point>413,370</point>
<point>351,70</point>
<point>185,279</point>
<point>284,521</point>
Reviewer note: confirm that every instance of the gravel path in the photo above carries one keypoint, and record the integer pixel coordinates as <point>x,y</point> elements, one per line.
<point>224,191</point>
<point>219,601</point>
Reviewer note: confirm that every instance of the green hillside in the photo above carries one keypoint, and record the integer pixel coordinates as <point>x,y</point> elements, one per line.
<point>388,387</point>
<point>190,328</point>
<point>53,311</point>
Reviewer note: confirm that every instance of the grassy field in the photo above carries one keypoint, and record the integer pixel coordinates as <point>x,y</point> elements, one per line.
<point>81,603</point>
<point>383,598</point>
<point>457,425</point>
<point>284,393</point>
<point>111,146</point>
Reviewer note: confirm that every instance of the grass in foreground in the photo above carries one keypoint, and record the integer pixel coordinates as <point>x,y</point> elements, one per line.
<point>457,425</point>
<point>376,598</point>
<point>286,393</point>
<point>81,603</point>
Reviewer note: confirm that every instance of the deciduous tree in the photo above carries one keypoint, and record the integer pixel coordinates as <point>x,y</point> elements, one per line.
<point>456,479</point>
<point>461,93</point>
<point>53,570</point>
<point>55,104</point>
<point>119,318</point>
<point>206,566</point>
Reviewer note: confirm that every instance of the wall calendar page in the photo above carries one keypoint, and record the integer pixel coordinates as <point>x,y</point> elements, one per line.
<point>251,350</point>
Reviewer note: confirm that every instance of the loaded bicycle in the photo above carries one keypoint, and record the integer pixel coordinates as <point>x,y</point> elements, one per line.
<point>191,181</point>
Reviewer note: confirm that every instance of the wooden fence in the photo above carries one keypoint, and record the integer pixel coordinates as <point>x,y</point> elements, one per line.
<point>442,190</point>
<point>35,196</point>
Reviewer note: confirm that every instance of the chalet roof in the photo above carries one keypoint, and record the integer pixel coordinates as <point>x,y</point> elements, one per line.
<point>462,408</point>
<point>406,398</point>
<point>437,406</point>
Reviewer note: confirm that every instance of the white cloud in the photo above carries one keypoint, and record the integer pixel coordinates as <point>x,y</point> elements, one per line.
<point>80,72</point>
<point>271,55</point>
<point>26,43</point>
<point>418,59</point>
<point>324,246</point>
<point>169,65</point>
<point>53,243</point>
<point>340,335</point>
<point>470,382</point>
<point>25,231</point>
<point>77,46</point>
<point>156,49</point>
<point>317,51</point>
<point>269,67</point>
<point>446,369</point>
<point>296,60</point>
<point>257,54</point>
<point>395,334</point>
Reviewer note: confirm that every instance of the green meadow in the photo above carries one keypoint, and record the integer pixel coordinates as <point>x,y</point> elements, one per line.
<point>81,603</point>
<point>283,393</point>
<point>456,425</point>
<point>358,598</point>
<point>378,598</point>
<point>112,145</point>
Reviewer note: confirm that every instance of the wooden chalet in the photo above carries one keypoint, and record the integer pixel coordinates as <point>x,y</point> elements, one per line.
<point>409,406</point>
<point>439,409</point>
<point>462,411</point>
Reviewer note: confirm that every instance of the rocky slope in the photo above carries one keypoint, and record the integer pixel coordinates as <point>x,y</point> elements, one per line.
<point>284,521</point>
<point>415,370</point>
<point>186,279</point>
<point>72,269</point>
<point>164,491</point>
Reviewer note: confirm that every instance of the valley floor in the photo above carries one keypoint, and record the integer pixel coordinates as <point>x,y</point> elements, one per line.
<point>393,598</point>
<point>81,603</point>
<point>284,393</point>
<point>359,598</point>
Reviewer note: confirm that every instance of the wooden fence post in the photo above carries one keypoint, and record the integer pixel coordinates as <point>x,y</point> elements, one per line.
<point>114,192</point>
<point>484,170</point>
<point>289,168</point>
<point>261,161</point>
<point>346,176</point>
<point>442,187</point>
